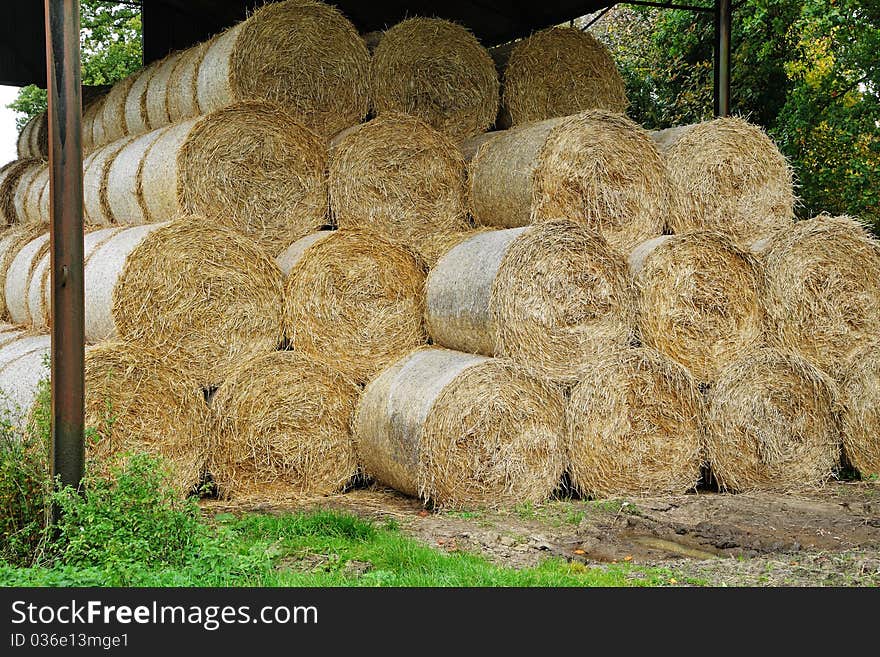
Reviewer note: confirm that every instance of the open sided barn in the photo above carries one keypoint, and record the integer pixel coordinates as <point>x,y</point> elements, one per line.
<point>417,255</point>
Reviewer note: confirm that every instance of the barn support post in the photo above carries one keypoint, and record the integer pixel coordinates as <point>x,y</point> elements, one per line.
<point>66,239</point>
<point>722,57</point>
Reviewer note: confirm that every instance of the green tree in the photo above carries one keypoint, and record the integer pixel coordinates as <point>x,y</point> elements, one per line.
<point>110,42</point>
<point>806,70</point>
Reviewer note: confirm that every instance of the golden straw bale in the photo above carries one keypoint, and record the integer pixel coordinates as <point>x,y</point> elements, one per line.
<point>561,71</point>
<point>136,401</point>
<point>732,178</point>
<point>860,398</point>
<point>548,296</point>
<point>595,167</point>
<point>772,424</point>
<point>399,176</point>
<point>354,299</point>
<point>282,425</point>
<point>635,426</point>
<point>701,299</point>
<point>823,298</point>
<point>460,430</point>
<point>438,71</point>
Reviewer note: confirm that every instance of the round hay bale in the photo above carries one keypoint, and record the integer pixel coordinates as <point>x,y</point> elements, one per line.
<point>23,364</point>
<point>822,293</point>
<point>595,167</point>
<point>156,97</point>
<point>635,426</point>
<point>399,176</point>
<point>249,166</point>
<point>303,55</point>
<point>21,192</point>
<point>731,177</point>
<point>197,291</point>
<point>11,242</point>
<point>33,141</point>
<point>701,300</point>
<point>353,298</point>
<point>10,177</point>
<point>95,168</point>
<point>282,425</point>
<point>32,209</point>
<point>137,122</point>
<point>438,71</point>
<point>561,71</point>
<point>860,417</point>
<point>137,402</point>
<point>460,430</point>
<point>18,279</point>
<point>772,424</point>
<point>548,296</point>
<point>113,112</point>
<point>182,84</point>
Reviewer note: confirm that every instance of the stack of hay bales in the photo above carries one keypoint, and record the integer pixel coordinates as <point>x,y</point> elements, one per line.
<point>33,140</point>
<point>201,294</point>
<point>249,166</point>
<point>301,54</point>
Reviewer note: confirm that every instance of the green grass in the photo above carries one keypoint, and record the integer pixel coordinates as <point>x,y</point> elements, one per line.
<point>317,549</point>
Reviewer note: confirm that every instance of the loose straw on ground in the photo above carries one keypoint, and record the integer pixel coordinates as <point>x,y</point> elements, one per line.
<point>701,300</point>
<point>732,178</point>
<point>438,71</point>
<point>282,425</point>
<point>772,424</point>
<point>595,167</point>
<point>561,71</point>
<point>460,430</point>
<point>549,296</point>
<point>354,299</point>
<point>635,426</point>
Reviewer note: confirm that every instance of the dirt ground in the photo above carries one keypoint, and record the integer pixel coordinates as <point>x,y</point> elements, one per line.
<point>829,537</point>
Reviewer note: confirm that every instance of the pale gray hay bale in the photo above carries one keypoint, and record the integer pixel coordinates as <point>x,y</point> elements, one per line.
<point>157,92</point>
<point>213,83</point>
<point>123,197</point>
<point>18,278</point>
<point>9,332</point>
<point>22,190</point>
<point>113,114</point>
<point>22,367</point>
<point>32,208</point>
<point>159,175</point>
<point>136,119</point>
<point>105,268</point>
<point>92,180</point>
<point>293,253</point>
<point>181,99</point>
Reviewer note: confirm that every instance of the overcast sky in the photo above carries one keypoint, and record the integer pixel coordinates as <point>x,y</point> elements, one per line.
<point>8,132</point>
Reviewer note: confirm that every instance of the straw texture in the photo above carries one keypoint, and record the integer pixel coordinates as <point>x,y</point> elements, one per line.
<point>860,397</point>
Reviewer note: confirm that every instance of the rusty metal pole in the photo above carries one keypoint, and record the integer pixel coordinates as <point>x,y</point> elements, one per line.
<point>66,207</point>
<point>722,57</point>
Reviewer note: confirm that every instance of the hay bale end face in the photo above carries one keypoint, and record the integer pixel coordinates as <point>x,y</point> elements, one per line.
<point>860,399</point>
<point>822,293</point>
<point>354,299</point>
<point>594,167</point>
<point>136,401</point>
<point>701,300</point>
<point>398,176</point>
<point>198,291</point>
<point>558,72</point>
<point>460,430</point>
<point>772,424</point>
<point>548,296</point>
<point>281,424</point>
<point>635,426</point>
<point>438,71</point>
<point>731,177</point>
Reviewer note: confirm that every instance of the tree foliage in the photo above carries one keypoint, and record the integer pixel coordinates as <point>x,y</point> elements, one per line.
<point>110,42</point>
<point>806,70</point>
